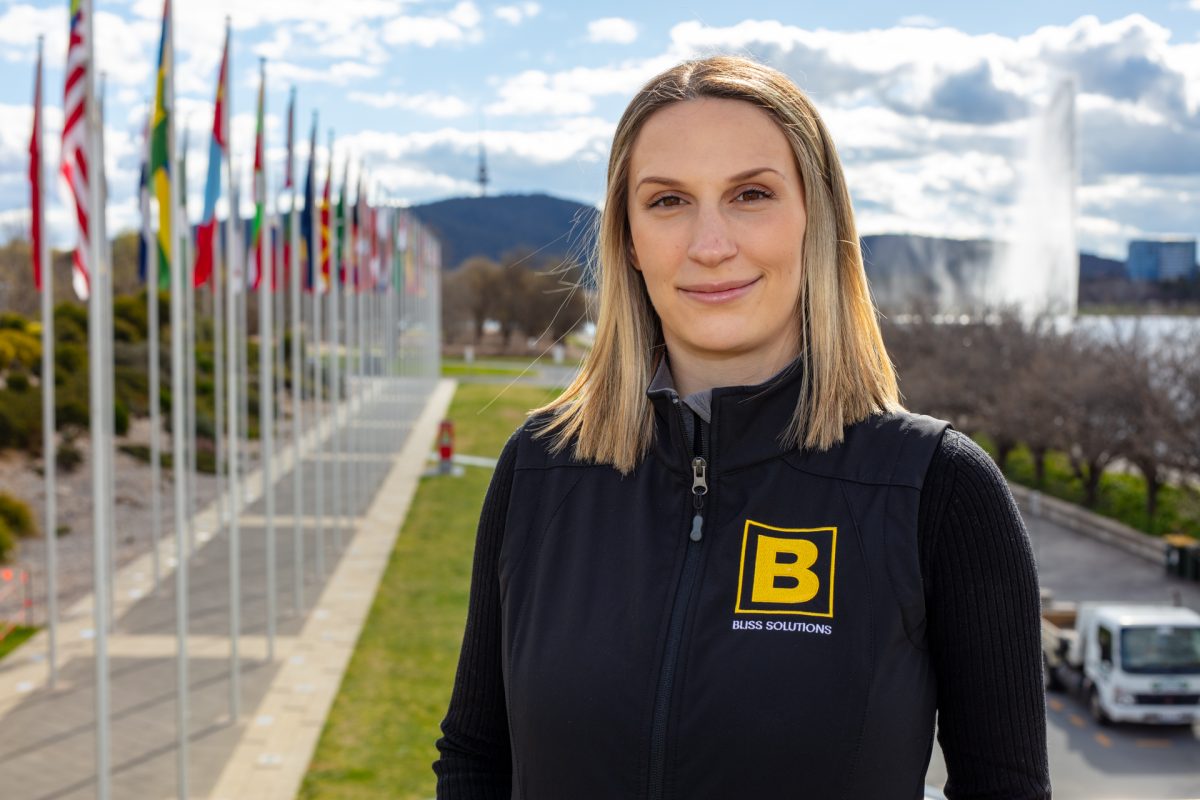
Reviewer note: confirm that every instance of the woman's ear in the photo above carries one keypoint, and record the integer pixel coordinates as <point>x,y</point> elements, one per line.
<point>633,258</point>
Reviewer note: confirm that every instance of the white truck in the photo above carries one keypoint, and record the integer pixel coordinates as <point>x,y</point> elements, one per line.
<point>1132,663</point>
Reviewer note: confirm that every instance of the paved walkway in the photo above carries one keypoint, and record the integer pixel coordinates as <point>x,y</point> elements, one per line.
<point>47,738</point>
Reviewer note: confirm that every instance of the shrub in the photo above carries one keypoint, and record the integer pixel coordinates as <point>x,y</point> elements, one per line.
<point>11,321</point>
<point>125,331</point>
<point>120,417</point>
<point>26,349</point>
<point>70,357</point>
<point>71,407</point>
<point>18,516</point>
<point>17,382</point>
<point>8,543</point>
<point>70,323</point>
<point>21,420</point>
<point>130,313</point>
<point>68,456</point>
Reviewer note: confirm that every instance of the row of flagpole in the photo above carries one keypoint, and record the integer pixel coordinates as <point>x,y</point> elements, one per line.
<point>351,267</point>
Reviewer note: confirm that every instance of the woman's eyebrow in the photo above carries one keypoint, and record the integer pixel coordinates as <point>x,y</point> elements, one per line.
<point>752,173</point>
<point>741,176</point>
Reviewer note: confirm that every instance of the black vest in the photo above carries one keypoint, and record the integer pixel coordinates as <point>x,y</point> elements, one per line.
<point>781,655</point>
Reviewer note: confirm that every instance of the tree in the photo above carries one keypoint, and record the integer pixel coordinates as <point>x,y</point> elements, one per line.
<point>1098,424</point>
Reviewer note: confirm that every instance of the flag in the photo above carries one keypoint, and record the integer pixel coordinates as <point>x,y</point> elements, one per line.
<point>342,228</point>
<point>360,223</point>
<point>308,218</point>
<point>35,174</point>
<point>160,159</point>
<point>289,182</point>
<point>217,149</point>
<point>144,207</point>
<point>352,224</point>
<point>288,178</point>
<point>325,210</point>
<point>260,184</point>
<point>75,153</point>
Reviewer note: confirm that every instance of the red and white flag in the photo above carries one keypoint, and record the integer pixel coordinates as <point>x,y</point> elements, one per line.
<point>75,144</point>
<point>35,175</point>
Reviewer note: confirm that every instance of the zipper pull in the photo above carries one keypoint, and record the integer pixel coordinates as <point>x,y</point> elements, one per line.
<point>699,489</point>
<point>699,476</point>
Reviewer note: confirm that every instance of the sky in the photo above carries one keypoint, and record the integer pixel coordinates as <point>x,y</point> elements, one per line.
<point>930,104</point>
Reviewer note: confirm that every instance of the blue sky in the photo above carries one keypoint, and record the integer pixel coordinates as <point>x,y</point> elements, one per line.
<point>930,107</point>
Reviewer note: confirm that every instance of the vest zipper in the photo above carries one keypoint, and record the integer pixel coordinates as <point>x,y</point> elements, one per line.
<point>683,594</point>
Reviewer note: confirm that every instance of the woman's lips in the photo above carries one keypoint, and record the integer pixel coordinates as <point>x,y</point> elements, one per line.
<point>718,292</point>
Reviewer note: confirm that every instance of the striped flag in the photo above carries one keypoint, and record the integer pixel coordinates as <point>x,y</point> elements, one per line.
<point>75,153</point>
<point>308,218</point>
<point>260,183</point>
<point>144,209</point>
<point>341,224</point>
<point>325,221</point>
<point>160,157</point>
<point>289,182</point>
<point>217,149</point>
<point>35,175</point>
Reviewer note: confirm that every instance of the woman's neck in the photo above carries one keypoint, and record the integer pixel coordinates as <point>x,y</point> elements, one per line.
<point>698,372</point>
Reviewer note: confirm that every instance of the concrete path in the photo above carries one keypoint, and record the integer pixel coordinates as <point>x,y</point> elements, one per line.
<point>47,738</point>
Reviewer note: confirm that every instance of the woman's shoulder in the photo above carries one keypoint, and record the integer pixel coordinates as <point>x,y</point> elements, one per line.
<point>960,464</point>
<point>535,444</point>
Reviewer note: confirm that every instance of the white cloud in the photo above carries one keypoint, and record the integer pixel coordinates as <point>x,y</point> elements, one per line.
<point>615,30</point>
<point>518,13</point>
<point>572,91</point>
<point>919,21</point>
<point>460,24</point>
<point>339,74</point>
<point>429,103</point>
<point>21,24</point>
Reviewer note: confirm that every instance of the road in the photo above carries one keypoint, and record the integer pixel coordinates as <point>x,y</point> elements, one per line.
<point>1087,761</point>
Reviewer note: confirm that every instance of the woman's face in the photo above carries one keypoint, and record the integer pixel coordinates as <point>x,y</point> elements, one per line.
<point>717,217</point>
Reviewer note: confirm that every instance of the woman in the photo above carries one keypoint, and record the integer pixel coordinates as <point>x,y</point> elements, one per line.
<point>726,563</point>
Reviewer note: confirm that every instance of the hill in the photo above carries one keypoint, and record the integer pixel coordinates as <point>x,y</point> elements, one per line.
<point>493,226</point>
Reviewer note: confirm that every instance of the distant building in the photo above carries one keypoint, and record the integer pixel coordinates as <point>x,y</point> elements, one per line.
<point>1162,260</point>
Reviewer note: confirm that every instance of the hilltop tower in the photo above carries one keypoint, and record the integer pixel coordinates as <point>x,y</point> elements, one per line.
<point>482,177</point>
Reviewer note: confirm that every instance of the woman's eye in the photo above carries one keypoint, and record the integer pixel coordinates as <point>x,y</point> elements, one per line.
<point>666,201</point>
<point>753,194</point>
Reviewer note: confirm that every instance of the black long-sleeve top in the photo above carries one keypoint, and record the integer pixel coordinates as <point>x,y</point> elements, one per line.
<point>981,590</point>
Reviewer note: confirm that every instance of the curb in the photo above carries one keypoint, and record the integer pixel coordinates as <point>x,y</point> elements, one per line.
<point>1088,523</point>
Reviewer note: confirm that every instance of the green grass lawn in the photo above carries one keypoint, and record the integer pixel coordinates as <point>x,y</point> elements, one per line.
<point>461,369</point>
<point>16,637</point>
<point>378,740</point>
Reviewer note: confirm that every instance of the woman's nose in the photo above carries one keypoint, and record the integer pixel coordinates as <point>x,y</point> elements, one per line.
<point>712,242</point>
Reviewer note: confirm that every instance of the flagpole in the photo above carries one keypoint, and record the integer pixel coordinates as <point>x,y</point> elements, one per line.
<point>360,301</point>
<point>104,286</point>
<point>297,383</point>
<point>183,241</point>
<point>266,354</point>
<point>178,404</point>
<point>344,292</point>
<point>152,330</point>
<point>337,502</point>
<point>97,427</point>
<point>318,389</point>
<point>49,452</point>
<point>233,278</point>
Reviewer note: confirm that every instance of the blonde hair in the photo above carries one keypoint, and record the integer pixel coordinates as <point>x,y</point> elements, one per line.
<point>604,414</point>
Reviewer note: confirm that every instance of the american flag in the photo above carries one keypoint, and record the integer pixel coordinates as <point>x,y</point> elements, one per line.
<point>75,144</point>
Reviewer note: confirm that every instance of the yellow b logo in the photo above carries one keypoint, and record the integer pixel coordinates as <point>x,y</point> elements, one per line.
<point>768,566</point>
<point>786,570</point>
